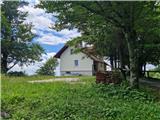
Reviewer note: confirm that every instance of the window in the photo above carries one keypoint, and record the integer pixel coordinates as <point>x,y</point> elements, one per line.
<point>68,72</point>
<point>71,51</point>
<point>76,62</point>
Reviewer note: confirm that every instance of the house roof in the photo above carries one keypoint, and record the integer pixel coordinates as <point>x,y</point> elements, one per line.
<point>89,51</point>
<point>59,53</point>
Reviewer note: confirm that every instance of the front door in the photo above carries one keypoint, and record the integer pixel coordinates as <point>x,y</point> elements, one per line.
<point>94,68</point>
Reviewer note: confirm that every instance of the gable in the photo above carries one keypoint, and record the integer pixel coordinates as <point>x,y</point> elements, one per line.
<point>59,53</point>
<point>75,62</point>
<point>87,51</point>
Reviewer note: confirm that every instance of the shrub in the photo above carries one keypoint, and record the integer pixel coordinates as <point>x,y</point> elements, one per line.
<point>49,67</point>
<point>15,73</point>
<point>124,92</point>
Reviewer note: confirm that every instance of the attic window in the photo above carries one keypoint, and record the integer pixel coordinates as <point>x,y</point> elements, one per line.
<point>71,51</point>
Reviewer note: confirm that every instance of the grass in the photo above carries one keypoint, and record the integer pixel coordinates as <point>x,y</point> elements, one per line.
<point>155,75</point>
<point>64,101</point>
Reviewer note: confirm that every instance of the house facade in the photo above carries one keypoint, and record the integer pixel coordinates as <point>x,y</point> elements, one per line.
<point>78,63</point>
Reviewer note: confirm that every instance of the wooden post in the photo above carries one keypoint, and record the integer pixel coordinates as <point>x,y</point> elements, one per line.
<point>148,74</point>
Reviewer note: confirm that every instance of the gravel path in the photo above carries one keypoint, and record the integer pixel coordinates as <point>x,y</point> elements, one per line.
<point>69,80</point>
<point>150,82</point>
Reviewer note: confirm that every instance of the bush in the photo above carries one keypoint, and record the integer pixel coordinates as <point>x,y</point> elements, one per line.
<point>15,73</point>
<point>48,68</point>
<point>125,92</point>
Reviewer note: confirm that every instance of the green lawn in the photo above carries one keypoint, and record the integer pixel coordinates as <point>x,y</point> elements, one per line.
<point>155,75</point>
<point>65,101</point>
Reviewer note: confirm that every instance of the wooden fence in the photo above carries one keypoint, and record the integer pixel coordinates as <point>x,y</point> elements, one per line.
<point>108,77</point>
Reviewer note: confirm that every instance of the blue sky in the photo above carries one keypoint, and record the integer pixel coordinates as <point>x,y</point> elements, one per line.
<point>50,39</point>
<point>52,48</point>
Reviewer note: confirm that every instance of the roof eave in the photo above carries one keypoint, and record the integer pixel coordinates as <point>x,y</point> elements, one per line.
<point>59,53</point>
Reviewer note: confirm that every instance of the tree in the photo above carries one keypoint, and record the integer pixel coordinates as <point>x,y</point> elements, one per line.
<point>16,38</point>
<point>49,67</point>
<point>128,17</point>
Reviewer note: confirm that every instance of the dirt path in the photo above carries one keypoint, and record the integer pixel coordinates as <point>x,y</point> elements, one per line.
<point>150,82</point>
<point>68,80</point>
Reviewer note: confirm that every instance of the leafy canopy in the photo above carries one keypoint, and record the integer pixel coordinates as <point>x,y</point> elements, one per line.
<point>16,41</point>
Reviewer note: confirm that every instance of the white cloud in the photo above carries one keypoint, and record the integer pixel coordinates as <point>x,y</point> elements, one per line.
<point>37,16</point>
<point>150,67</point>
<point>50,39</point>
<point>31,69</point>
<point>42,22</point>
<point>70,34</point>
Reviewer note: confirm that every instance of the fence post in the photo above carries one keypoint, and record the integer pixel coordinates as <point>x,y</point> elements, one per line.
<point>148,74</point>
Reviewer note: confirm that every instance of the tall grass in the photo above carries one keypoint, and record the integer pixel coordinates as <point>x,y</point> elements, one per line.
<point>87,101</point>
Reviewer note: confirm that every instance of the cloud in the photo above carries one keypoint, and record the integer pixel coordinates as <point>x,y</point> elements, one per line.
<point>150,67</point>
<point>50,39</point>
<point>70,34</point>
<point>55,38</point>
<point>37,16</point>
<point>31,69</point>
<point>42,22</point>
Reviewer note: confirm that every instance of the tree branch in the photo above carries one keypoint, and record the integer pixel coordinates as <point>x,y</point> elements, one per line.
<point>102,13</point>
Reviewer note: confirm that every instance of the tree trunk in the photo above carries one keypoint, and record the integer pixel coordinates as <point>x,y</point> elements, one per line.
<point>122,65</point>
<point>115,61</point>
<point>140,70</point>
<point>120,41</point>
<point>134,80</point>
<point>133,67</point>
<point>111,62</point>
<point>144,70</point>
<point>4,64</point>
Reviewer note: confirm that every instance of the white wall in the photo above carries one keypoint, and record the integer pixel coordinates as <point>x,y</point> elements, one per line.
<point>67,62</point>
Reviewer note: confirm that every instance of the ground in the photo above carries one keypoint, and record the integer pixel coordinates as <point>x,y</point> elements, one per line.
<point>83,100</point>
<point>152,82</point>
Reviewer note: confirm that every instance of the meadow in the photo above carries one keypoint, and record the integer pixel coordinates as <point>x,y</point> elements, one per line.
<point>83,100</point>
<point>155,75</point>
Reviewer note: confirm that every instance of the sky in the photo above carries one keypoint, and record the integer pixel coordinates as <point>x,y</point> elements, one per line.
<point>50,39</point>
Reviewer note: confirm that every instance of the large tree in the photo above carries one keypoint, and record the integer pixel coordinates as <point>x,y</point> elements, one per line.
<point>128,17</point>
<point>16,38</point>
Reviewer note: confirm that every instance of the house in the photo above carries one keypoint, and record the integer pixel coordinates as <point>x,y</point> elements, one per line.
<point>81,63</point>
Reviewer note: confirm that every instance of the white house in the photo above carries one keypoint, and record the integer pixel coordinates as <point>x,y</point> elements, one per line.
<point>81,63</point>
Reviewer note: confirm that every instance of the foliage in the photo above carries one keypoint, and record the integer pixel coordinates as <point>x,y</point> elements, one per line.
<point>155,74</point>
<point>16,42</point>
<point>101,21</point>
<point>76,101</point>
<point>16,73</point>
<point>49,67</point>
<point>157,68</point>
<point>125,92</point>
